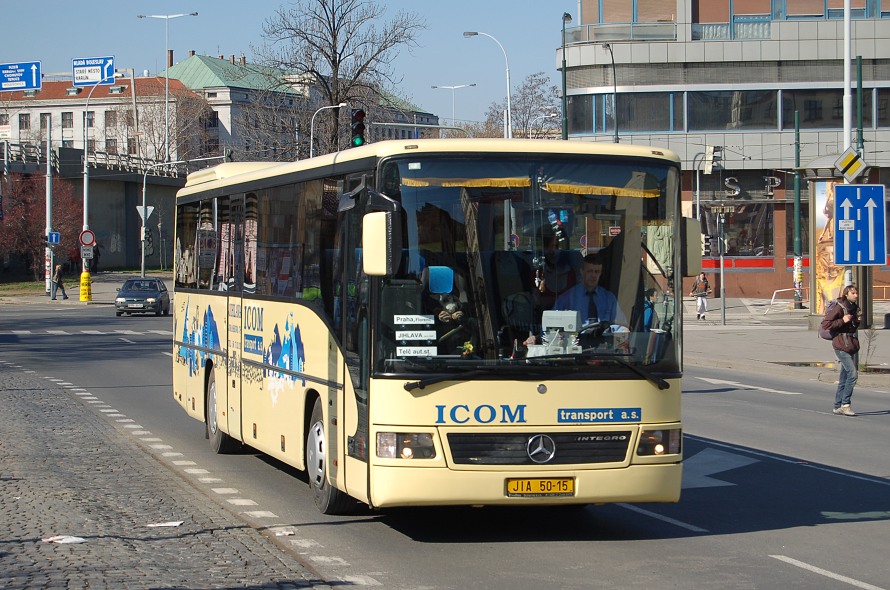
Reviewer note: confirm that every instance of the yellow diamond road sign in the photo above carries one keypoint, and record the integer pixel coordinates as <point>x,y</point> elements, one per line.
<point>850,164</point>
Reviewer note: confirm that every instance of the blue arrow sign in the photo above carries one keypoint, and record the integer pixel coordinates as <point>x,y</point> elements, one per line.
<point>92,71</point>
<point>21,76</point>
<point>860,225</point>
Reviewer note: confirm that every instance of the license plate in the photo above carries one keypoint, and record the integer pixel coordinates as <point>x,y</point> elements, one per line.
<point>135,305</point>
<point>550,486</point>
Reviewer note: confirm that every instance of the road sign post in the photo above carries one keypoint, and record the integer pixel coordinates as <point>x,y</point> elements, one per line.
<point>860,225</point>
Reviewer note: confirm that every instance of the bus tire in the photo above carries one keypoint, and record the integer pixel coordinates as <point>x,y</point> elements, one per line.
<point>328,499</point>
<point>220,441</point>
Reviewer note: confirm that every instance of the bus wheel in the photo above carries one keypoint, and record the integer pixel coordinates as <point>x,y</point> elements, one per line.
<point>328,499</point>
<point>219,440</point>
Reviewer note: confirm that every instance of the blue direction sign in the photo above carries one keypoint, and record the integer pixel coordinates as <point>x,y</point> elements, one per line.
<point>21,76</point>
<point>860,225</point>
<point>92,71</point>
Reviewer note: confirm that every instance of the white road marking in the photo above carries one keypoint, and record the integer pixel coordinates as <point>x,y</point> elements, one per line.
<point>170,354</point>
<point>826,573</point>
<point>242,502</point>
<point>58,332</point>
<point>698,469</point>
<point>224,491</point>
<point>261,514</point>
<point>127,341</point>
<point>738,385</point>
<point>667,519</point>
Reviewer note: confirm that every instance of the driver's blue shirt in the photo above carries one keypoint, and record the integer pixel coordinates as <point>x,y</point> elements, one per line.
<point>578,298</point>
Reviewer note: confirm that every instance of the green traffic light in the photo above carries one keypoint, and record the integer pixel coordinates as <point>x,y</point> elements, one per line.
<point>358,141</point>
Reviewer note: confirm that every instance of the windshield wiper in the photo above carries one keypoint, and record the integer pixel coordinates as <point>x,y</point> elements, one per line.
<point>469,374</point>
<point>586,355</point>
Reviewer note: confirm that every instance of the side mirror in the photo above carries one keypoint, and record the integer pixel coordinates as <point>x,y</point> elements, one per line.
<point>381,243</point>
<point>690,255</point>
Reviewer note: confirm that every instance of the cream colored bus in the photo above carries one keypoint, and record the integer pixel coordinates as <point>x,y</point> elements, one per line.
<point>441,321</point>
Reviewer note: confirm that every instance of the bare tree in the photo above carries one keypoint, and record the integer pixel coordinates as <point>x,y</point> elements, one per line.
<point>532,105</point>
<point>24,221</point>
<point>341,50</point>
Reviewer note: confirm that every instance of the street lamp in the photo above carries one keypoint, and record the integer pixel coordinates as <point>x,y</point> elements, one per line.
<point>508,132</point>
<point>85,269</point>
<point>452,89</point>
<point>312,126</point>
<point>566,19</point>
<point>528,131</point>
<point>608,47</point>
<point>166,18</point>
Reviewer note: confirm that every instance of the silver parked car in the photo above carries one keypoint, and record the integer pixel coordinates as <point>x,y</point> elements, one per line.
<point>142,296</point>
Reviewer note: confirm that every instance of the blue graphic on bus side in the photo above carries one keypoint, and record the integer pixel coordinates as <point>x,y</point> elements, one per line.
<point>287,353</point>
<point>590,415</point>
<point>202,334</point>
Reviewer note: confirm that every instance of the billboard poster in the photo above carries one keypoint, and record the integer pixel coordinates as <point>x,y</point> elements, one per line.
<point>827,278</point>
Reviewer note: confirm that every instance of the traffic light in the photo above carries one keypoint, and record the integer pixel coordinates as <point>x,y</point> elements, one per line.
<point>358,127</point>
<point>706,245</point>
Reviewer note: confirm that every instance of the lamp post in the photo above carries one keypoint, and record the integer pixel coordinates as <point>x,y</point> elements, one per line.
<point>453,89</point>
<point>312,126</point>
<point>508,132</point>
<point>608,47</point>
<point>566,18</point>
<point>166,18</point>
<point>87,295</point>
<point>528,131</point>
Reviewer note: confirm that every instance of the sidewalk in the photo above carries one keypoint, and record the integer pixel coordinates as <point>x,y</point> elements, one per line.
<point>777,339</point>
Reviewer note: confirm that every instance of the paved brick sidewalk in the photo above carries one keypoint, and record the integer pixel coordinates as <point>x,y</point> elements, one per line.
<point>66,471</point>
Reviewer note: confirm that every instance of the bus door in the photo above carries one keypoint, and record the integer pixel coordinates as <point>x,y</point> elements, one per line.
<point>233,281</point>
<point>355,336</point>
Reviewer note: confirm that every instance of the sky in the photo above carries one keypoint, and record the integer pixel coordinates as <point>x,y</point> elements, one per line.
<point>54,32</point>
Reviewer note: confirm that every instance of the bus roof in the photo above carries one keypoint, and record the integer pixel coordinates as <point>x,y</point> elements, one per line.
<point>233,173</point>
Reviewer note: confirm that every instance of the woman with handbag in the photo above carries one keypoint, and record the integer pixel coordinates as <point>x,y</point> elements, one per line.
<point>701,288</point>
<point>842,321</point>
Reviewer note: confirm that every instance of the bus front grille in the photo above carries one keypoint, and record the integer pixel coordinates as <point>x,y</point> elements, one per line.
<point>576,448</point>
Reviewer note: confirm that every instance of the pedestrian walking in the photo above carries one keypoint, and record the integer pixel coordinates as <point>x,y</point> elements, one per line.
<point>842,322</point>
<point>57,283</point>
<point>701,288</point>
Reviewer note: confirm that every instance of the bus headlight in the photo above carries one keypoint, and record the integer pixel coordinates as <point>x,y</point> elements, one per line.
<point>401,445</point>
<point>660,442</point>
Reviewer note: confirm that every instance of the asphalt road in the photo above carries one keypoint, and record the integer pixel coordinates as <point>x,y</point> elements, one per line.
<point>778,492</point>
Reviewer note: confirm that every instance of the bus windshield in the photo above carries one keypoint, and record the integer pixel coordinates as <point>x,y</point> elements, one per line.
<point>561,264</point>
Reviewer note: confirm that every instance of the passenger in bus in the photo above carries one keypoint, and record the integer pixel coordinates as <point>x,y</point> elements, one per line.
<point>555,276</point>
<point>593,302</point>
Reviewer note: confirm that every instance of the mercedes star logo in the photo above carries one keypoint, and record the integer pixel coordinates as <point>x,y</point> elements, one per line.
<point>541,448</point>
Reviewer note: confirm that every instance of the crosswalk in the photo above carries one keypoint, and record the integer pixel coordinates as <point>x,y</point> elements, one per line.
<point>89,332</point>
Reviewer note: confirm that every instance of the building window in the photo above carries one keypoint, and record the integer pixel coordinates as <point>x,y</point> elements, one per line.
<point>24,121</point>
<point>647,112</point>
<point>4,119</point>
<point>91,146</point>
<point>883,111</point>
<point>210,119</point>
<point>67,120</point>
<point>67,143</point>
<point>580,114</point>
<point>748,231</point>
<point>110,119</point>
<point>820,109</point>
<point>132,146</point>
<point>90,117</point>
<point>111,146</point>
<point>45,121</point>
<point>731,110</point>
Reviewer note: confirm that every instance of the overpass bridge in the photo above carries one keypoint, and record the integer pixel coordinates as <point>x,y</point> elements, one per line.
<point>115,194</point>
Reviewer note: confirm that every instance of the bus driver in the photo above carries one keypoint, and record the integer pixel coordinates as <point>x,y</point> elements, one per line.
<point>592,301</point>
